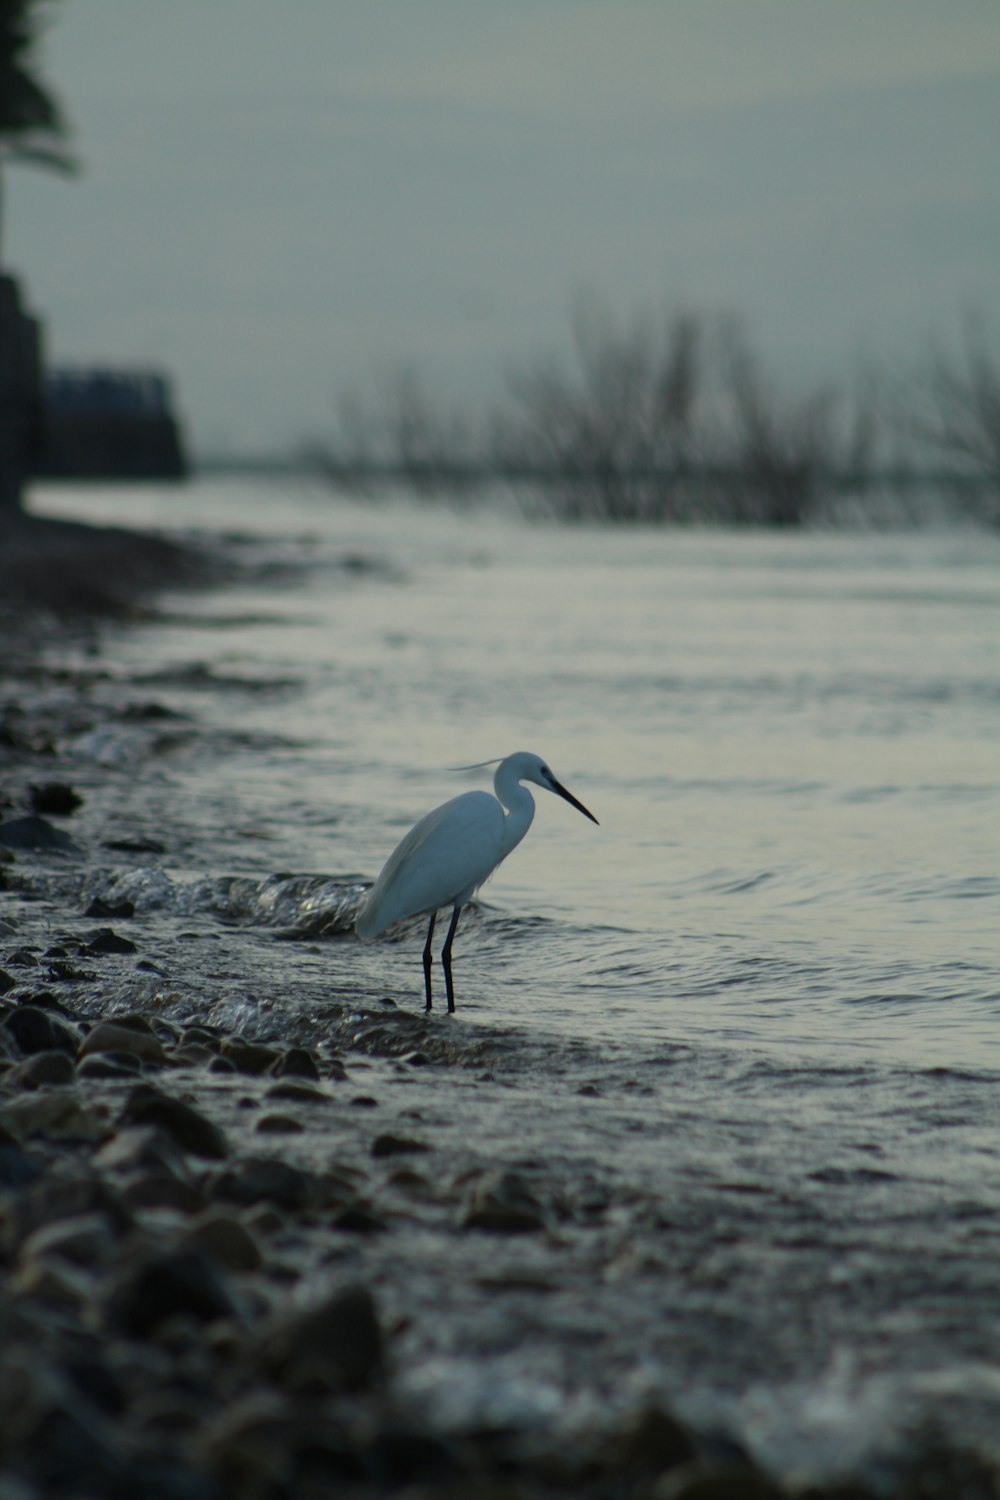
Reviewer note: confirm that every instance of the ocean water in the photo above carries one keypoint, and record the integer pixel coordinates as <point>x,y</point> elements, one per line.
<point>773,969</point>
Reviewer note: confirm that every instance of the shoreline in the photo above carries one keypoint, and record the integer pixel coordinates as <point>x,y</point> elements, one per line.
<point>199,1295</point>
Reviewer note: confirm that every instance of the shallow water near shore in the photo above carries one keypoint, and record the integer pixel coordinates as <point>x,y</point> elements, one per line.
<point>760,1003</point>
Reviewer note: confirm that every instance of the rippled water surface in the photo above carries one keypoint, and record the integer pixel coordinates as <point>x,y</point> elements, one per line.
<point>775,966</point>
<point>791,743</point>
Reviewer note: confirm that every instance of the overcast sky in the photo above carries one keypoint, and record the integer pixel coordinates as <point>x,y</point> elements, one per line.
<point>281,197</point>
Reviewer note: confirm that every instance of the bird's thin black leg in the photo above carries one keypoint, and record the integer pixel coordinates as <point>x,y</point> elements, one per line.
<point>446,959</point>
<point>427,960</point>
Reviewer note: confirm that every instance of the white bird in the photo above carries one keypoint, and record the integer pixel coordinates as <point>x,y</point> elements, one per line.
<point>451,852</point>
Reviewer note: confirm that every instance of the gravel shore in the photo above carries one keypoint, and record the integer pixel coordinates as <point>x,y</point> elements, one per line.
<point>197,1291</point>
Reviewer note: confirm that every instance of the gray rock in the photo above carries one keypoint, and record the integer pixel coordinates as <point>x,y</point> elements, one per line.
<point>35,1029</point>
<point>249,1057</point>
<point>297,1062</point>
<point>225,1240</point>
<point>109,1065</point>
<point>157,1190</point>
<point>35,833</point>
<point>164,1285</point>
<point>84,1240</point>
<point>141,1148</point>
<point>397,1145</point>
<point>192,1130</point>
<point>276,1123</point>
<point>333,1345</point>
<point>108,1036</point>
<point>41,1068</point>
<point>504,1203</point>
<point>265,1179</point>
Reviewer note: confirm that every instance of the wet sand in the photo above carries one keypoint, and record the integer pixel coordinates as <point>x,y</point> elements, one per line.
<point>207,1240</point>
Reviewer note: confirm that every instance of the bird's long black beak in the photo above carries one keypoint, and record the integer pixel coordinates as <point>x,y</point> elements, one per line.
<point>558,787</point>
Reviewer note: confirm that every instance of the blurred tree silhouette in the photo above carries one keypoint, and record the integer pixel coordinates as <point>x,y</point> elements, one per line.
<point>33,127</point>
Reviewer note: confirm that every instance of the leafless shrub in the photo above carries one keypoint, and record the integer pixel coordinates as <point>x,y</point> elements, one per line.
<point>614,431</point>
<point>951,412</point>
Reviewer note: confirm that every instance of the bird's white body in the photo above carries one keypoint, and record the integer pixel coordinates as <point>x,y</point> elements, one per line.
<point>442,861</point>
<point>452,851</point>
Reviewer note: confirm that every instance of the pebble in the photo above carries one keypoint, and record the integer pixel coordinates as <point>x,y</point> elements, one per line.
<point>193,1131</point>
<point>41,1068</point>
<point>505,1203</point>
<point>109,1065</point>
<point>106,940</point>
<point>108,1036</point>
<point>227,1241</point>
<point>334,1345</point>
<point>279,1124</point>
<point>141,1147</point>
<point>53,1112</point>
<point>722,1482</point>
<point>158,1190</point>
<point>265,1179</point>
<point>397,1145</point>
<point>297,1062</point>
<point>166,1284</point>
<point>300,1093</point>
<point>249,1057</point>
<point>84,1239</point>
<point>35,1029</point>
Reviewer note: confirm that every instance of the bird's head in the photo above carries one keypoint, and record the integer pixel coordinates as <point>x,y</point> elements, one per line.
<point>524,766</point>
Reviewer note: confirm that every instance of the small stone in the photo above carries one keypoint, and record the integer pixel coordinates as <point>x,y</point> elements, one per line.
<point>504,1203</point>
<point>649,1441</point>
<point>397,1145</point>
<point>164,1285</point>
<point>716,1482</point>
<point>335,1345</point>
<point>159,1190</point>
<point>85,1240</point>
<point>35,833</point>
<point>357,1219</point>
<point>297,1062</point>
<point>57,1283</point>
<point>192,1130</point>
<point>264,1179</point>
<point>35,1029</point>
<point>297,1093</point>
<point>58,1198</point>
<point>6,982</point>
<point>106,940</point>
<point>225,1240</point>
<point>249,1057</point>
<point>108,1036</point>
<point>17,1167</point>
<point>191,1055</point>
<point>55,1113</point>
<point>141,1148</point>
<point>109,1065</point>
<point>41,1068</point>
<point>279,1124</point>
<point>55,797</point>
<point>114,910</point>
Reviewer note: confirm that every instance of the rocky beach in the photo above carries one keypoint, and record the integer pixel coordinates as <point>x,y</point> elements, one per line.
<point>274,1262</point>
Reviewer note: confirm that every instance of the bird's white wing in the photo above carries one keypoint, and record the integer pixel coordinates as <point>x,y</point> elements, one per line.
<point>443,859</point>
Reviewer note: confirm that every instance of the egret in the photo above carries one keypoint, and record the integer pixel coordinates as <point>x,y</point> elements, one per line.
<point>452,851</point>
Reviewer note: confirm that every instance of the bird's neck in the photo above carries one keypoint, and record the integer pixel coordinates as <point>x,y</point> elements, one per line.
<point>520,805</point>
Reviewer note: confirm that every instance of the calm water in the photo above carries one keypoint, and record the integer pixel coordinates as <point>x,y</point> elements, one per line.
<point>778,957</point>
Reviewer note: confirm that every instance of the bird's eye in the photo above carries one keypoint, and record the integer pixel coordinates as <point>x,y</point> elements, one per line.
<point>546,771</point>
